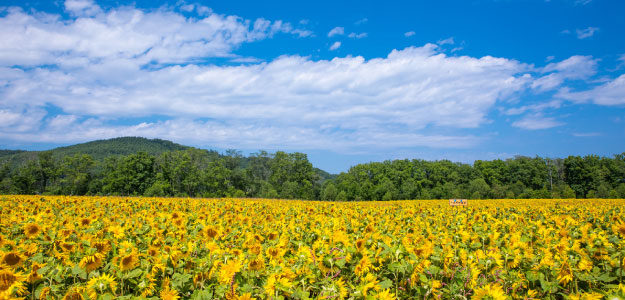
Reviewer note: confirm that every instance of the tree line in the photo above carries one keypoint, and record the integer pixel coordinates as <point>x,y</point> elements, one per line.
<point>183,173</point>
<point>201,173</point>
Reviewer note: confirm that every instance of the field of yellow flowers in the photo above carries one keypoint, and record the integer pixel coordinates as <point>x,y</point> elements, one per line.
<point>113,247</point>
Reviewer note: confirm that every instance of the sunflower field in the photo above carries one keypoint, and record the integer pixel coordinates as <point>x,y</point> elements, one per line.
<point>60,247</point>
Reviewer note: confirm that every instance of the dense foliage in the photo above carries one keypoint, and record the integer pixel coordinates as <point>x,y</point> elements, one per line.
<point>191,172</point>
<point>55,247</point>
<point>520,177</point>
<point>113,167</point>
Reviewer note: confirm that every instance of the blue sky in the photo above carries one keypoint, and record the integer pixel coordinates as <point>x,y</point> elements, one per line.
<point>344,81</point>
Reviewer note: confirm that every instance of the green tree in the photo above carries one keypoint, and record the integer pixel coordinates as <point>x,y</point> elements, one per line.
<point>130,175</point>
<point>76,174</point>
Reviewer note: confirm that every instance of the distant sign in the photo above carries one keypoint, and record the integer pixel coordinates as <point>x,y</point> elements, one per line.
<point>457,202</point>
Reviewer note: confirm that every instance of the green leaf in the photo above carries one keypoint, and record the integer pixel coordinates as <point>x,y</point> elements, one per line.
<point>386,284</point>
<point>134,273</point>
<point>202,295</point>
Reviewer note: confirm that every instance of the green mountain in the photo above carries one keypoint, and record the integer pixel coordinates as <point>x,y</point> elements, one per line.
<point>99,149</point>
<point>102,149</point>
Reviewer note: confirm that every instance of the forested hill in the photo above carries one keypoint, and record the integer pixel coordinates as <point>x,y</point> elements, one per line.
<point>139,166</point>
<point>98,150</point>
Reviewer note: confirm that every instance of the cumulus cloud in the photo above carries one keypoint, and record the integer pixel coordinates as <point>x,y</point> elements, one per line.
<point>82,7</point>
<point>126,33</point>
<point>609,93</point>
<point>288,102</point>
<point>335,46</point>
<point>573,68</point>
<point>409,33</point>
<point>102,66</point>
<point>586,32</point>
<point>336,31</point>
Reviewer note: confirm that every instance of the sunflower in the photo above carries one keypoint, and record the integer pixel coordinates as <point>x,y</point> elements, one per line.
<point>45,292</point>
<point>11,284</point>
<point>167,294</point>
<point>490,291</point>
<point>227,272</point>
<point>363,266</point>
<point>565,275</point>
<point>211,232</point>
<point>385,295</point>
<point>85,222</point>
<point>100,284</point>
<point>272,236</point>
<point>255,249</point>
<point>102,247</point>
<point>12,259</point>
<point>360,244</point>
<point>619,228</point>
<point>273,253</point>
<point>246,296</point>
<point>153,251</point>
<point>257,264</point>
<point>91,262</point>
<point>73,294</point>
<point>128,262</point>
<point>369,282</point>
<point>34,276</point>
<point>32,230</point>
<point>67,247</point>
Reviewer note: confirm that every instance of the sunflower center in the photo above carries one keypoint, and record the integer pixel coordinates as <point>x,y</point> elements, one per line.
<point>126,261</point>
<point>211,232</point>
<point>12,259</point>
<point>33,230</point>
<point>73,296</point>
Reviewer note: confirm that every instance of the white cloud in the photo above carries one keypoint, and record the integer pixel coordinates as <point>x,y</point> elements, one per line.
<point>289,102</point>
<point>335,46</point>
<point>576,67</point>
<point>141,37</point>
<point>130,64</point>
<point>586,33</point>
<point>246,60</point>
<point>409,33</point>
<point>82,7</point>
<point>361,21</point>
<point>336,31</point>
<point>609,93</point>
<point>248,136</point>
<point>447,41</point>
<point>534,107</point>
<point>354,35</point>
<point>536,122</point>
